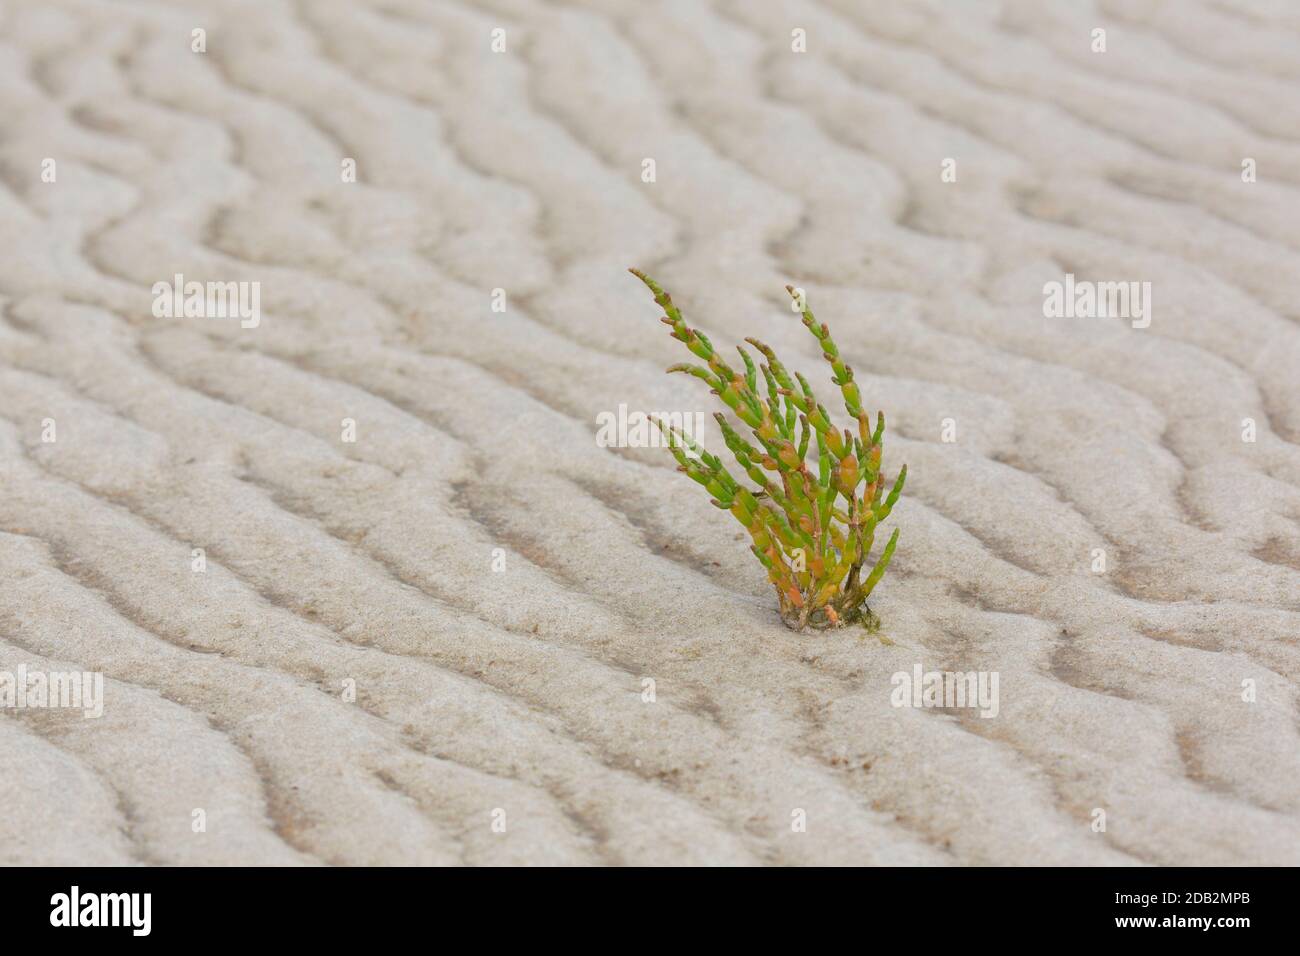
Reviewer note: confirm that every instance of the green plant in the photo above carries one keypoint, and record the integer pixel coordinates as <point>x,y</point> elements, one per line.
<point>812,531</point>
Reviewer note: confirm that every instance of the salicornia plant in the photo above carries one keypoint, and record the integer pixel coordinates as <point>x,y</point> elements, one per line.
<point>812,529</point>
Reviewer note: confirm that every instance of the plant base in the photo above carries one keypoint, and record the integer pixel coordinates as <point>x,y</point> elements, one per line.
<point>819,620</point>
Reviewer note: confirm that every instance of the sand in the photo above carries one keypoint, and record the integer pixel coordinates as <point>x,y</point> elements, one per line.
<point>472,635</point>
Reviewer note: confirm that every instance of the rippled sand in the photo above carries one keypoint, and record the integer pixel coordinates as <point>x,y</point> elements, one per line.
<point>518,698</point>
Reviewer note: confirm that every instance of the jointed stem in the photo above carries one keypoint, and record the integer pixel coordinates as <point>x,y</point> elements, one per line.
<point>825,589</point>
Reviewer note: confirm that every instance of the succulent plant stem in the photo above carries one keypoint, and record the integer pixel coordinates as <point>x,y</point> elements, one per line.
<point>812,528</point>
